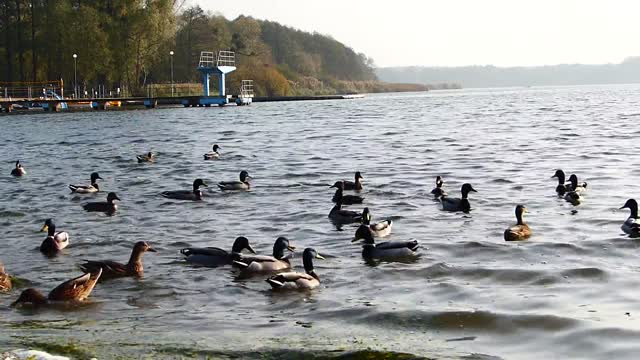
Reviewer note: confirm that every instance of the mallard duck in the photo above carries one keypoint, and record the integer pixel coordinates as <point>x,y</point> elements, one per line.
<point>55,241</point>
<point>262,263</point>
<point>148,157</point>
<point>573,194</point>
<point>108,207</point>
<point>437,191</point>
<point>194,195</point>
<point>113,270</point>
<point>576,186</point>
<point>458,204</point>
<point>631,226</point>
<point>86,189</point>
<point>562,188</point>
<point>385,250</point>
<point>76,289</point>
<point>19,170</point>
<point>354,185</point>
<point>519,231</point>
<point>380,229</point>
<point>213,154</point>
<point>339,215</point>
<point>345,199</point>
<point>5,280</point>
<point>296,280</point>
<point>213,256</point>
<point>243,184</point>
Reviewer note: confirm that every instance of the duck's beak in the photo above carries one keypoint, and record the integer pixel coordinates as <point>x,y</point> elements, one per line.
<point>98,177</point>
<point>251,249</point>
<point>205,184</point>
<point>45,228</point>
<point>318,256</point>
<point>355,239</point>
<point>117,198</point>
<point>624,207</point>
<point>291,248</point>
<point>474,190</point>
<point>151,249</point>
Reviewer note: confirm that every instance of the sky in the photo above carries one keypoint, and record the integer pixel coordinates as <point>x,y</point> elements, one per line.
<point>461,32</point>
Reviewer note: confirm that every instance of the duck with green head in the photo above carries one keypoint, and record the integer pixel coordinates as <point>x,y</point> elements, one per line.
<point>519,231</point>
<point>631,226</point>
<point>109,207</point>
<point>438,192</point>
<point>148,157</point>
<point>55,241</point>
<point>74,290</point>
<point>354,185</point>
<point>192,195</point>
<point>345,199</point>
<point>87,189</point>
<point>296,280</point>
<point>385,250</point>
<point>214,257</point>
<point>213,154</point>
<point>458,204</point>
<point>243,184</point>
<point>381,229</point>
<point>261,263</point>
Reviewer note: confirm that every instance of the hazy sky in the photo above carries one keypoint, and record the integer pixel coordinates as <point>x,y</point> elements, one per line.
<point>462,32</point>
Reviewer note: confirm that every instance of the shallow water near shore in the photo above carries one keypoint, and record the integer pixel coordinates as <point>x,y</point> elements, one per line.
<point>568,292</point>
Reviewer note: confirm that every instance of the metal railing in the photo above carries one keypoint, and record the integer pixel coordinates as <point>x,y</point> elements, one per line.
<point>246,88</point>
<point>207,59</point>
<point>226,58</point>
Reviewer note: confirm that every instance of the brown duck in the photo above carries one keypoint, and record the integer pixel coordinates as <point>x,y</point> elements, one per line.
<point>5,280</point>
<point>76,289</point>
<point>113,270</point>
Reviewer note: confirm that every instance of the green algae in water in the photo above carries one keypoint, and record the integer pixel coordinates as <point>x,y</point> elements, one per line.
<point>73,350</point>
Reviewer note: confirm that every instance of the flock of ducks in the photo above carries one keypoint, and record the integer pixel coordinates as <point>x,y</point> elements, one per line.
<point>278,264</point>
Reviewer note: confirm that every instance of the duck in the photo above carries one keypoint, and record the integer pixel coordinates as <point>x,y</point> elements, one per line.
<point>386,250</point>
<point>262,263</point>
<point>108,207</point>
<point>519,231</point>
<point>213,154</point>
<point>380,229</point>
<point>193,195</point>
<point>573,194</point>
<point>19,170</point>
<point>55,241</point>
<point>437,191</point>
<point>113,270</point>
<point>74,290</point>
<point>356,184</point>
<point>214,257</point>
<point>345,199</point>
<point>243,184</point>
<point>148,157</point>
<point>562,188</point>
<point>87,189</point>
<point>339,215</point>
<point>297,280</point>
<point>458,204</point>
<point>631,226</point>
<point>5,280</point>
<point>576,186</point>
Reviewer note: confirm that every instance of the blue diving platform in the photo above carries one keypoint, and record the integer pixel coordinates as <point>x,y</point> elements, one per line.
<point>219,65</point>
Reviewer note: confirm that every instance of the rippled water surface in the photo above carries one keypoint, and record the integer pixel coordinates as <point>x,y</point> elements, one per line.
<point>571,291</point>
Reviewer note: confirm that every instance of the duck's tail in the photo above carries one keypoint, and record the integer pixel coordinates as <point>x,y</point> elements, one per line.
<point>73,188</point>
<point>240,264</point>
<point>275,282</point>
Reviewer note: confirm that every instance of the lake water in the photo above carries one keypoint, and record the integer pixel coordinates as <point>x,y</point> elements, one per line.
<point>571,291</point>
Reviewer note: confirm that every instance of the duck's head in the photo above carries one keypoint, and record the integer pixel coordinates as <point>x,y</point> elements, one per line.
<point>307,259</point>
<point>18,166</point>
<point>244,176</point>
<point>30,296</point>
<point>358,176</point>
<point>48,226</point>
<point>363,233</point>
<point>520,211</point>
<point>111,197</point>
<point>240,244</point>
<point>143,246</point>
<point>149,154</point>
<point>632,205</point>
<point>215,147</point>
<point>281,244</point>
<point>573,179</point>
<point>466,188</point>
<point>197,183</point>
<point>338,185</point>
<point>366,216</point>
<point>560,175</point>
<point>439,181</point>
<point>95,176</point>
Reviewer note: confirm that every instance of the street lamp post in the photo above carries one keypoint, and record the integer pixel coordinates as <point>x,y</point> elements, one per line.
<point>75,76</point>
<point>171,55</point>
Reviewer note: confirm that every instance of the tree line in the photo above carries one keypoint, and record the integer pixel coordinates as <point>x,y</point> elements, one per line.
<point>127,44</point>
